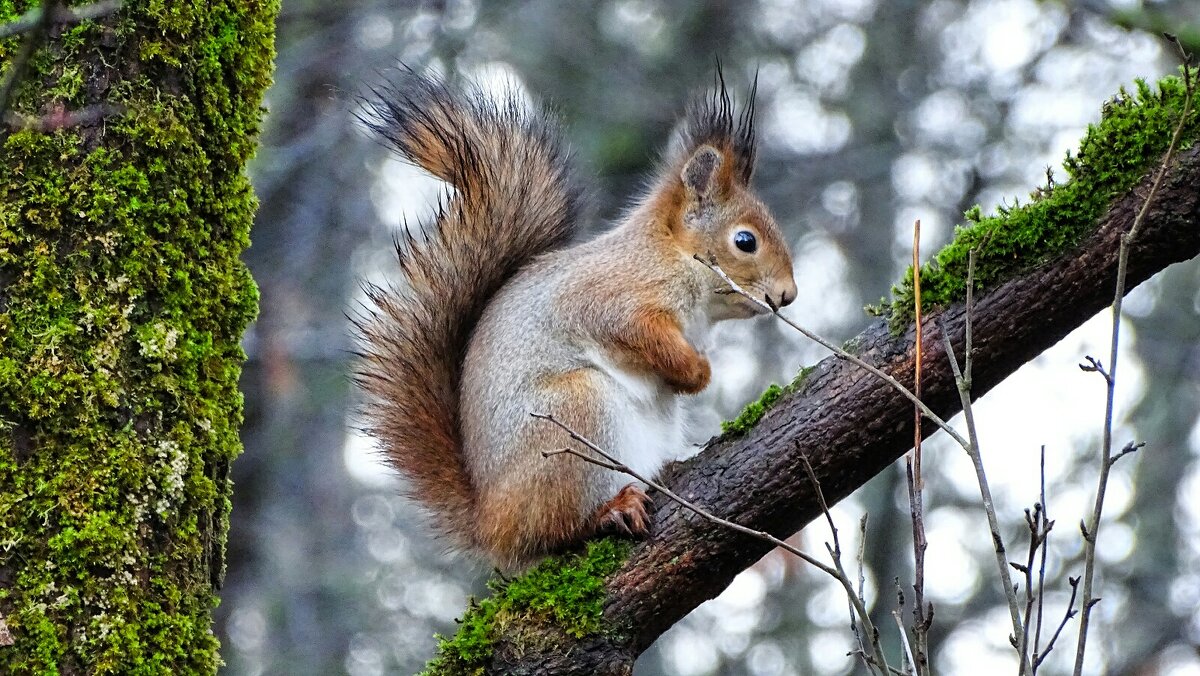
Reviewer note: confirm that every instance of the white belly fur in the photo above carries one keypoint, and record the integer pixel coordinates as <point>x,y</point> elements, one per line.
<point>648,420</point>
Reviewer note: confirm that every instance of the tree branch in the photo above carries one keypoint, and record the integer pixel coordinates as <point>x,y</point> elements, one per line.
<point>851,425</point>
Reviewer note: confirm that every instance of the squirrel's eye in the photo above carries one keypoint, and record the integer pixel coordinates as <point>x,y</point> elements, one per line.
<point>745,241</point>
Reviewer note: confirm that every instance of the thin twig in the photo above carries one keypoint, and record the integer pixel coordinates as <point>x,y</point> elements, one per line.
<point>711,263</point>
<point>1041,584</point>
<point>812,480</point>
<point>1038,659</point>
<point>1033,519</point>
<point>1106,457</point>
<point>834,571</point>
<point>583,456</point>
<point>917,354</point>
<point>862,547</point>
<point>1095,366</point>
<point>1129,448</point>
<point>908,651</point>
<point>962,380</point>
<point>835,554</point>
<point>916,483</point>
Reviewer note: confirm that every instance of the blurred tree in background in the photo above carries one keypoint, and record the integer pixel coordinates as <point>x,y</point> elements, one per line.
<point>872,114</point>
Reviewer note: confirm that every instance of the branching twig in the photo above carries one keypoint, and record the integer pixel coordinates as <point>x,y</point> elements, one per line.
<point>1039,658</point>
<point>962,377</point>
<point>1106,457</point>
<point>836,571</point>
<point>1129,448</point>
<point>1033,520</point>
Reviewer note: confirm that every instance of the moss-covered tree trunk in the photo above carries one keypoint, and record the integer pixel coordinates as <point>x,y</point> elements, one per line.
<point>122,302</point>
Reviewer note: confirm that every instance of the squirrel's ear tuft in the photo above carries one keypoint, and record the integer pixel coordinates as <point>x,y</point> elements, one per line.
<point>700,172</point>
<point>712,121</point>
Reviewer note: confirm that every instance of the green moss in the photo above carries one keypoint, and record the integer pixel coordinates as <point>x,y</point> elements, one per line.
<point>754,411</point>
<point>566,592</point>
<point>1130,139</point>
<point>122,304</point>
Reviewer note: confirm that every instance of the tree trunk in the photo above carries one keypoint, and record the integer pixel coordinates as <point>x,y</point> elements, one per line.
<point>850,424</point>
<point>124,209</point>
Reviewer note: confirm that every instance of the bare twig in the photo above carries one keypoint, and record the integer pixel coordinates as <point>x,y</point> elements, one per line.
<point>711,263</point>
<point>583,456</point>
<point>1106,457</point>
<point>1039,658</point>
<point>862,552</point>
<point>812,480</point>
<point>1094,366</point>
<point>1033,519</point>
<point>916,482</point>
<point>862,548</point>
<point>1129,448</point>
<point>835,554</point>
<point>916,456</point>
<point>962,377</point>
<point>908,651</point>
<point>1041,584</point>
<point>836,571</point>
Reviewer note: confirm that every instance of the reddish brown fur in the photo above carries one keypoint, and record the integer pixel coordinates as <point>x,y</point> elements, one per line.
<point>654,341</point>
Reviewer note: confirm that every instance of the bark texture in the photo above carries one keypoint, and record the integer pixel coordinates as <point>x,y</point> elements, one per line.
<point>124,208</point>
<point>851,426</point>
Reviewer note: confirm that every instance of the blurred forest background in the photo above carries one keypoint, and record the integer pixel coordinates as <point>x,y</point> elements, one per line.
<point>872,113</point>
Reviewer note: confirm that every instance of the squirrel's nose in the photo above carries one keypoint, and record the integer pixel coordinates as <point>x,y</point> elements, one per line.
<point>786,293</point>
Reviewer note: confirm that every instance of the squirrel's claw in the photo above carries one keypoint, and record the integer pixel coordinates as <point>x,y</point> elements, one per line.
<point>625,513</point>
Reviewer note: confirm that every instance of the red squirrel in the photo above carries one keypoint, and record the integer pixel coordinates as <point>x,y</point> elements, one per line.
<point>496,317</point>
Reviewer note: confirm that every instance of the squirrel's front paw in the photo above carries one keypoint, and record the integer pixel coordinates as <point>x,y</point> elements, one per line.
<point>693,378</point>
<point>625,513</point>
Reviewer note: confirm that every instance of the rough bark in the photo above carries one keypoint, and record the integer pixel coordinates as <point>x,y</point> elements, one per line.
<point>851,426</point>
<point>124,208</point>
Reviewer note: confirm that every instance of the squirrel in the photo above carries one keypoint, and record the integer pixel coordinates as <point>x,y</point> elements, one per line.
<point>499,317</point>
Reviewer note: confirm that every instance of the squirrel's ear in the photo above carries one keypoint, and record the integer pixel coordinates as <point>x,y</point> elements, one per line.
<point>700,172</point>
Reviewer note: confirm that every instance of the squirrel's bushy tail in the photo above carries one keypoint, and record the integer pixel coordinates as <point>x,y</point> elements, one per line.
<point>513,198</point>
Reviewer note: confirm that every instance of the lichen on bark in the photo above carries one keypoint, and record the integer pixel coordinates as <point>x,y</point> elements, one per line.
<point>122,304</point>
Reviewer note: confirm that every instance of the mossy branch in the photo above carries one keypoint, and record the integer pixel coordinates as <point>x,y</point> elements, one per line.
<point>1047,267</point>
<point>1134,131</point>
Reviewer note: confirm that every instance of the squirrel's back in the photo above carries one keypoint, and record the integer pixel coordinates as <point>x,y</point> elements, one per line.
<point>513,198</point>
